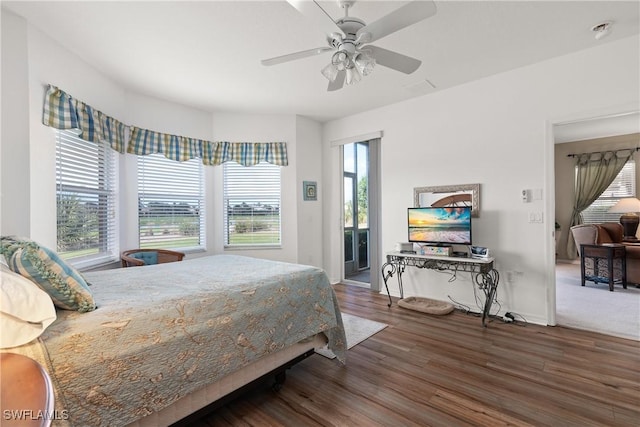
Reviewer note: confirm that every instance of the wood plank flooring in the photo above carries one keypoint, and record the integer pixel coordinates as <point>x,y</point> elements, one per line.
<point>449,371</point>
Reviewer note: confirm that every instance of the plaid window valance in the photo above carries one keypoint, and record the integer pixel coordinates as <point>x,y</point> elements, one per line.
<point>245,153</point>
<point>62,111</point>
<point>180,148</point>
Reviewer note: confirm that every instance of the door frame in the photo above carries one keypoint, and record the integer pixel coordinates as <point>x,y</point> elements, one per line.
<point>375,254</point>
<point>354,228</point>
<point>550,199</point>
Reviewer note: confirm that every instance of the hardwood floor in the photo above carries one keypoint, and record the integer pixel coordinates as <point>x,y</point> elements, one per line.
<point>449,371</point>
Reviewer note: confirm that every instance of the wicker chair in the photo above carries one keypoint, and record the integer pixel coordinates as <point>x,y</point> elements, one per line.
<point>139,257</point>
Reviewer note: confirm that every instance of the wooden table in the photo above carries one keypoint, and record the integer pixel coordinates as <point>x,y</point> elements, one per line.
<point>26,394</point>
<point>609,254</point>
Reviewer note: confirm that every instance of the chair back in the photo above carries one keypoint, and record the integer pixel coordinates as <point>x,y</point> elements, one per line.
<point>584,234</point>
<point>614,231</point>
<point>139,257</point>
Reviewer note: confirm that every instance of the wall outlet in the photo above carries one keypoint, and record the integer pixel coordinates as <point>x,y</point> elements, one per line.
<point>512,276</point>
<point>509,277</point>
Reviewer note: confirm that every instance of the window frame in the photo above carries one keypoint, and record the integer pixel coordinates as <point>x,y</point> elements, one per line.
<point>147,166</point>
<point>606,201</point>
<point>273,196</point>
<point>71,165</point>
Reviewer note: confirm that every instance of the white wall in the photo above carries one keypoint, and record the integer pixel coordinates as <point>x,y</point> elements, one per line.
<point>496,132</point>
<point>14,149</point>
<point>309,166</point>
<point>31,60</point>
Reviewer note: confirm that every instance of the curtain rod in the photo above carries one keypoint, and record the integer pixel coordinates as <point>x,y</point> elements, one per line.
<point>600,152</point>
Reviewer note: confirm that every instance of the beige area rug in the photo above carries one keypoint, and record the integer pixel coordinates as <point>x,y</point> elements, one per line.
<point>593,307</point>
<point>357,329</point>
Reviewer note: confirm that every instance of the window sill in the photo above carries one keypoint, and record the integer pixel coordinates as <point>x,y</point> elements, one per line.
<point>251,247</point>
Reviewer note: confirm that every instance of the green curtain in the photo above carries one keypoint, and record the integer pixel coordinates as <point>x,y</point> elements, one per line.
<point>595,172</point>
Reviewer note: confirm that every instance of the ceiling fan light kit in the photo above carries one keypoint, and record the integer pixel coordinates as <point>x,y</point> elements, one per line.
<point>365,63</point>
<point>356,65</point>
<point>351,59</point>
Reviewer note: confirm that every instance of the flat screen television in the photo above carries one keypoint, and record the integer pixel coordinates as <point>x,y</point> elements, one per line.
<point>440,226</point>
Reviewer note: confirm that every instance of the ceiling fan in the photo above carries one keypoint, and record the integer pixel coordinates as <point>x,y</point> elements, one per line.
<point>348,38</point>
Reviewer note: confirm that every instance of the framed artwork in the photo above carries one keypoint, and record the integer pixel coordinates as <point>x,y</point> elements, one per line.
<point>310,190</point>
<point>449,195</point>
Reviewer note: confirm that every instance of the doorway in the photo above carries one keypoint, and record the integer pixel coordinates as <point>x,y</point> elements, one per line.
<point>574,305</point>
<point>355,177</point>
<point>359,201</point>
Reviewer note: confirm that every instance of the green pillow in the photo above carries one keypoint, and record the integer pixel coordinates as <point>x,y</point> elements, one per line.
<point>149,258</point>
<point>64,284</point>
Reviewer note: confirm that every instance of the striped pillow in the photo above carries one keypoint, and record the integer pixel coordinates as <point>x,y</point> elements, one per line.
<point>64,284</point>
<point>10,244</point>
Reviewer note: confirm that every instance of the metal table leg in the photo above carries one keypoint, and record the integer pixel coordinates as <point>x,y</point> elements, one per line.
<point>391,268</point>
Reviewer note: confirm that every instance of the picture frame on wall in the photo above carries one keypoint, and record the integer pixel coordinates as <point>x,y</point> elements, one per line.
<point>450,196</point>
<point>310,190</point>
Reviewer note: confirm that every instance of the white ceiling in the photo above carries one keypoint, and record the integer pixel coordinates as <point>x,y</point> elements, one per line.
<point>601,127</point>
<point>206,54</point>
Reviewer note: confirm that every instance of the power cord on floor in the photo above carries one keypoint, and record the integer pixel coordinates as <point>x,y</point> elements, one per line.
<point>459,306</point>
<point>511,317</point>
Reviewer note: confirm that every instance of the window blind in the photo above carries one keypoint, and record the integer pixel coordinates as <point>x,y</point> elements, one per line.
<point>170,203</point>
<point>87,213</point>
<point>624,185</point>
<point>252,204</point>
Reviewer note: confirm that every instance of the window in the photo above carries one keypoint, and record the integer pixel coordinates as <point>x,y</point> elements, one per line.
<point>251,204</point>
<point>170,203</point>
<point>86,182</point>
<point>624,185</point>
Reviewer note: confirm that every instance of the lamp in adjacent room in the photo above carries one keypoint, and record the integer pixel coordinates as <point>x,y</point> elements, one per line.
<point>629,208</point>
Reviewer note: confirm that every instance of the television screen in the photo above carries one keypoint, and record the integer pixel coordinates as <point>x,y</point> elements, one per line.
<point>442,226</point>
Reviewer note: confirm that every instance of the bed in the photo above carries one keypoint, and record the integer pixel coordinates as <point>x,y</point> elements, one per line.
<point>169,339</point>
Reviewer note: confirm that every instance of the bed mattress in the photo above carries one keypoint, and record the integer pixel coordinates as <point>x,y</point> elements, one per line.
<point>164,332</point>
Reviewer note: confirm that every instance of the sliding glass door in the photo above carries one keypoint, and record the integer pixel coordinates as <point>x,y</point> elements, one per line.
<point>356,210</point>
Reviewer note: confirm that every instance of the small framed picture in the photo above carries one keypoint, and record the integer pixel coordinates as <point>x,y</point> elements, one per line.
<point>309,190</point>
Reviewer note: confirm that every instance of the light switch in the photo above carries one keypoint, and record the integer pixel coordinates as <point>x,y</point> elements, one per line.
<point>535,218</point>
<point>537,194</point>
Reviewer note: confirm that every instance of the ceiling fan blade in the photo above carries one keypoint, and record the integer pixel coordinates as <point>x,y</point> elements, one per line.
<point>296,55</point>
<point>338,82</point>
<point>316,15</point>
<point>408,14</point>
<point>394,60</point>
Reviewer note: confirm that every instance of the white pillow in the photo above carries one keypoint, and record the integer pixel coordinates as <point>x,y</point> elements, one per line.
<point>25,309</point>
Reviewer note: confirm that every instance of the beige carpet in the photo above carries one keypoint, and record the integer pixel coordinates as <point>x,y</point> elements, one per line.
<point>593,307</point>
<point>357,329</point>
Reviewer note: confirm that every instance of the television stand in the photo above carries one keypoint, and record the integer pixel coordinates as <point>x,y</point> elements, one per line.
<point>482,271</point>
